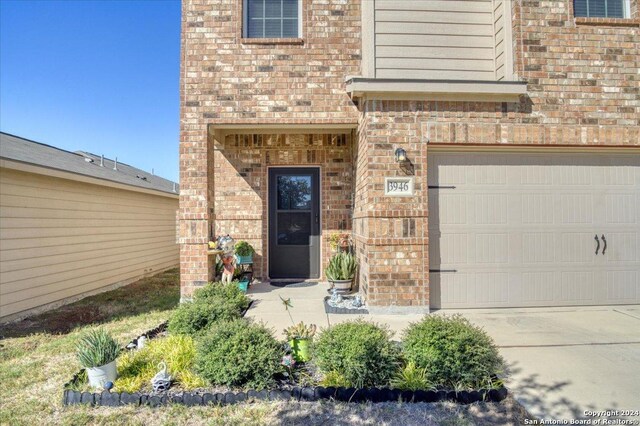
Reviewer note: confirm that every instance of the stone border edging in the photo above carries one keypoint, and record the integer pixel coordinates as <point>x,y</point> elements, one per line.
<point>310,394</point>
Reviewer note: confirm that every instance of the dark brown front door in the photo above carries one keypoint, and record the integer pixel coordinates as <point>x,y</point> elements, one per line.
<point>294,222</point>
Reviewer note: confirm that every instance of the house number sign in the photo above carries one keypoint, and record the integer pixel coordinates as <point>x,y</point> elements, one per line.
<point>398,186</point>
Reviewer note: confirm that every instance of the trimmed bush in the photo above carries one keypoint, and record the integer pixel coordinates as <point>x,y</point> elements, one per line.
<point>230,293</point>
<point>359,352</point>
<point>191,318</point>
<point>239,354</point>
<point>453,352</point>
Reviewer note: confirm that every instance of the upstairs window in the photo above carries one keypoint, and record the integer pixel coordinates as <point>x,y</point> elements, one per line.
<point>272,18</point>
<point>601,8</point>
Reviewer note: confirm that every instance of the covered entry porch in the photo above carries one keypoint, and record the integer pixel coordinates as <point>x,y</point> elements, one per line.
<point>285,191</point>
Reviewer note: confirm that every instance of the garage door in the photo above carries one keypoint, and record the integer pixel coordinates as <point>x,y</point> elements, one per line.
<point>513,229</point>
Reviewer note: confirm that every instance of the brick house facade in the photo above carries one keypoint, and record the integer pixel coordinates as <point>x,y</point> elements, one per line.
<point>329,99</point>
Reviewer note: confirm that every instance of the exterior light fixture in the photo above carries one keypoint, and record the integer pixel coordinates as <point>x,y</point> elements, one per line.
<point>401,155</point>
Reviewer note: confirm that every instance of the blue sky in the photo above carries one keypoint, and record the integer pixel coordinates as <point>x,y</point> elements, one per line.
<point>98,76</point>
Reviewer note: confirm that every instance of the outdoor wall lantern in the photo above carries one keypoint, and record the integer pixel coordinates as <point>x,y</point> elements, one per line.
<point>401,155</point>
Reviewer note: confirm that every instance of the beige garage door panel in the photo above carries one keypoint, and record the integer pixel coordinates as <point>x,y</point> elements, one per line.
<point>509,230</point>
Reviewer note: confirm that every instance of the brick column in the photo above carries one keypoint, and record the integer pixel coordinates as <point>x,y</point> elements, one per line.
<point>193,217</point>
<point>193,213</point>
<point>391,232</point>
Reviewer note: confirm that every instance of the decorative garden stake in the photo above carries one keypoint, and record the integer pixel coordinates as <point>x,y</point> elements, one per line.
<point>357,301</point>
<point>162,380</point>
<point>288,362</point>
<point>336,298</point>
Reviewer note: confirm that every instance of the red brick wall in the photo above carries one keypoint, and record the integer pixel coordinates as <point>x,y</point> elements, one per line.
<point>236,80</point>
<point>584,89</point>
<point>584,86</point>
<point>228,80</point>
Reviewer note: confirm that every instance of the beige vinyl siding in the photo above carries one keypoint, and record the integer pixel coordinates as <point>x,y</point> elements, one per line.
<point>60,238</point>
<point>435,39</point>
<point>499,29</point>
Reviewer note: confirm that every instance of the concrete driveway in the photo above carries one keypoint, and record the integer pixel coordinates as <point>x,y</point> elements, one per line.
<point>564,361</point>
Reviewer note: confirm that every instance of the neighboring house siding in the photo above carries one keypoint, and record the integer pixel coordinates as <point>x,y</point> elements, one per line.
<point>62,239</point>
<point>435,39</point>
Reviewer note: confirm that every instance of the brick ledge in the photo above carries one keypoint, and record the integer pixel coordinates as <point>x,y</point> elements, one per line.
<point>609,22</point>
<point>272,41</point>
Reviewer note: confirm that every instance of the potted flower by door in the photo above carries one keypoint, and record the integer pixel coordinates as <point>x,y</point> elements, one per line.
<point>299,337</point>
<point>97,352</point>
<point>341,271</point>
<point>244,253</point>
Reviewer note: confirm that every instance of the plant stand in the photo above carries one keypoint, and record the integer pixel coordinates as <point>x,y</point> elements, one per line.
<point>245,263</point>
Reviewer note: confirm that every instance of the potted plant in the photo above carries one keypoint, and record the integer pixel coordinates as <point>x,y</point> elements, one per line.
<point>298,335</point>
<point>341,271</point>
<point>339,241</point>
<point>244,252</point>
<point>97,352</point>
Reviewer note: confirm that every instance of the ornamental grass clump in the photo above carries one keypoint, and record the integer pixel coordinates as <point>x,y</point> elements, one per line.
<point>411,377</point>
<point>453,352</point>
<point>360,353</point>
<point>137,368</point>
<point>239,353</point>
<point>97,348</point>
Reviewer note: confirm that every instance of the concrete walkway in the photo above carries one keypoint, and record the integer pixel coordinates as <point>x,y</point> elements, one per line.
<point>562,361</point>
<point>308,307</point>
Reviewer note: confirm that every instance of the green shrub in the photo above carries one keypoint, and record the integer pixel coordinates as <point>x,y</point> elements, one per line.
<point>96,348</point>
<point>360,352</point>
<point>191,318</point>
<point>229,293</point>
<point>453,352</point>
<point>137,368</point>
<point>410,377</point>
<point>342,266</point>
<point>240,354</point>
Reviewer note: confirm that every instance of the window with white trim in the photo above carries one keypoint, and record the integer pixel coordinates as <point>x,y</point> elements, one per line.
<point>601,8</point>
<point>272,18</point>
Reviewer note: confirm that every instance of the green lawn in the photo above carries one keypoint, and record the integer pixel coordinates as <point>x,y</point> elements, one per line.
<point>37,358</point>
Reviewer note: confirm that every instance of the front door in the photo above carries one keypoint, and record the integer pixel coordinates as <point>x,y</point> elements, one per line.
<point>294,222</point>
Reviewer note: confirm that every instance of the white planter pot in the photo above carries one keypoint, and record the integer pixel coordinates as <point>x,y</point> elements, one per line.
<point>98,376</point>
<point>342,286</point>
